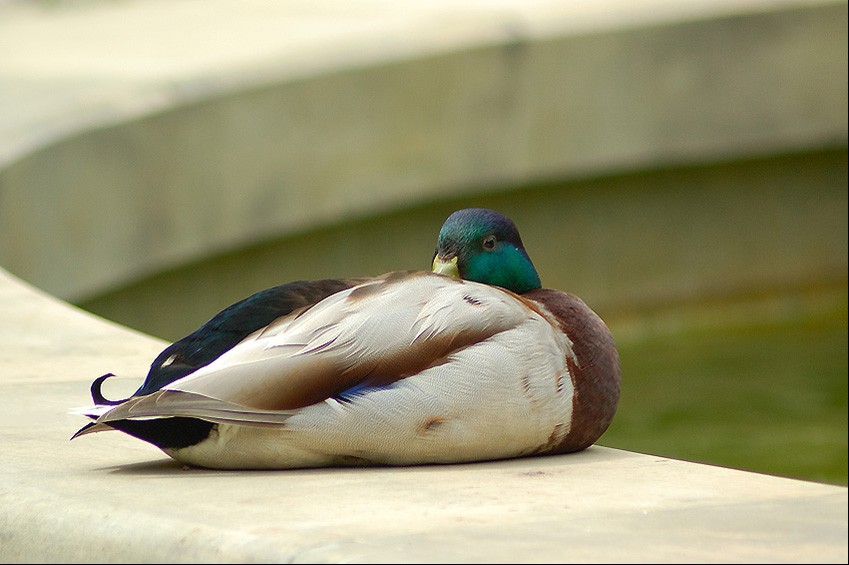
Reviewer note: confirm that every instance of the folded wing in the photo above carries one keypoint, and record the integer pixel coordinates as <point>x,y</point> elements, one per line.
<point>373,334</point>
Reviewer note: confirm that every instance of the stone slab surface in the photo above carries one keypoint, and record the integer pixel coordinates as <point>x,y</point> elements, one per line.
<point>108,497</point>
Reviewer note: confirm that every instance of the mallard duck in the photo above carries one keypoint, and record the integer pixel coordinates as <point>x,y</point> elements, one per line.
<point>471,361</point>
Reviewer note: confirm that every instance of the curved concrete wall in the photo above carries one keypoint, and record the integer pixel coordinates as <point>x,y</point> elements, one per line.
<point>182,160</point>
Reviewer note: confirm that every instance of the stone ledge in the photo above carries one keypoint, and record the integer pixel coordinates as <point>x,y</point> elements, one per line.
<point>108,497</point>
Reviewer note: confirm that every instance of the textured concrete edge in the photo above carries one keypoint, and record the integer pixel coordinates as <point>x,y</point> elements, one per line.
<point>39,525</point>
<point>474,26</point>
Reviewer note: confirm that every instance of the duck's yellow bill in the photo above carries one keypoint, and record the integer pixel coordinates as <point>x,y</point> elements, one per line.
<point>446,267</point>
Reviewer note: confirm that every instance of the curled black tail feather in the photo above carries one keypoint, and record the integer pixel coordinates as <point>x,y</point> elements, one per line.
<point>98,397</point>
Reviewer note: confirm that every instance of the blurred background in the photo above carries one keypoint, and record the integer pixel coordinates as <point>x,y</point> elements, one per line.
<point>681,166</point>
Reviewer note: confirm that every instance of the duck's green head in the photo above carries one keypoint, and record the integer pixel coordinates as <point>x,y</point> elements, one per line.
<point>484,246</point>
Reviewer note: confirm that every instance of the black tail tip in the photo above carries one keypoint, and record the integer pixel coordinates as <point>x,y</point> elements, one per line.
<point>82,430</point>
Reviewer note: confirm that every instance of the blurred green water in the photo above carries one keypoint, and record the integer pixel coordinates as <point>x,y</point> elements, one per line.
<point>768,396</point>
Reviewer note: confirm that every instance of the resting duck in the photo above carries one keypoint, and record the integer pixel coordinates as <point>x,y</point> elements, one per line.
<point>473,361</point>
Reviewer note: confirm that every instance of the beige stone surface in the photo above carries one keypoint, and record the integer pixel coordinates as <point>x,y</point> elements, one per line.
<point>109,497</point>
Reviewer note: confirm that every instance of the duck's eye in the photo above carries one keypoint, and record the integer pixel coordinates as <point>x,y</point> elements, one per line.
<point>489,243</point>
